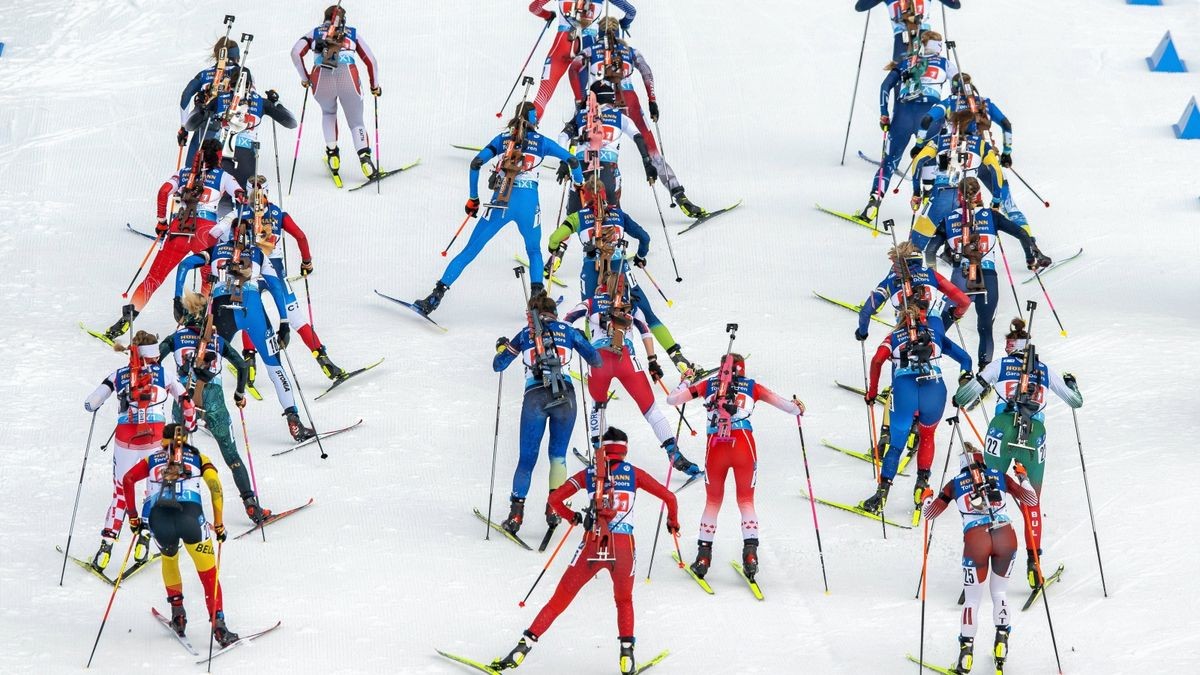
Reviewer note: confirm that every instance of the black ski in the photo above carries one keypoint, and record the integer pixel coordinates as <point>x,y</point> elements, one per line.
<point>323,435</point>
<point>182,639</point>
<point>1055,265</point>
<point>869,160</point>
<point>346,376</point>
<point>278,515</point>
<point>244,639</point>
<point>414,308</point>
<point>140,233</point>
<point>380,175</point>
<point>709,215</point>
<point>1037,592</point>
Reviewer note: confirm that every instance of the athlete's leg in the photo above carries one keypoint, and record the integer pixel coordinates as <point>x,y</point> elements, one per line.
<point>745,477</point>
<point>533,427</point>
<point>483,232</point>
<point>718,460</point>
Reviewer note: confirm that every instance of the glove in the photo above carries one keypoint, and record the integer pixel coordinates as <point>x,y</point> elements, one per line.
<point>161,227</point>
<point>177,309</point>
<point>959,313</point>
<point>135,524</point>
<point>304,83</point>
<point>272,96</point>
<point>181,137</point>
<point>472,207</point>
<point>219,528</point>
<point>965,377</point>
<point>860,335</point>
<point>799,404</point>
<point>884,122</point>
<point>576,518</point>
<point>1006,160</point>
<point>943,162</point>
<point>501,345</point>
<point>1039,260</point>
<point>639,261</point>
<point>651,172</point>
<point>562,173</point>
<point>656,371</point>
<point>239,399</point>
<point>306,268</point>
<point>653,111</point>
<point>239,196</point>
<point>673,526</point>
<point>626,22</point>
<point>916,150</point>
<point>915,203</point>
<point>872,394</point>
<point>284,334</point>
<point>377,91</point>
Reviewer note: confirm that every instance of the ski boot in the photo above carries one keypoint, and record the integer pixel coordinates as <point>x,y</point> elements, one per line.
<point>1000,650</point>
<point>368,166</point>
<point>516,656</point>
<point>750,558</point>
<point>178,614</point>
<point>871,209</point>
<point>104,553</point>
<point>327,365</point>
<point>552,518</point>
<point>678,461</point>
<point>431,301</point>
<point>628,663</point>
<point>250,357</point>
<point>920,487</point>
<point>681,362</point>
<point>536,288</point>
<point>334,162</point>
<point>516,515</point>
<point>296,428</point>
<point>128,314</point>
<point>688,208</point>
<point>966,650</point>
<point>1031,567</point>
<point>703,559</point>
<point>254,511</point>
<point>875,503</point>
<point>141,547</point>
<point>221,633</point>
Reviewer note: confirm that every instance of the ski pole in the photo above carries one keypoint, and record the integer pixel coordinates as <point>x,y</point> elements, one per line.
<point>547,565</point>
<point>299,134</point>
<point>112,435</point>
<point>278,174</point>
<point>658,137</point>
<point>662,508</point>
<point>1063,331</point>
<point>812,500</point>
<point>951,421</point>
<point>70,532</point>
<point>677,409</point>
<point>455,237</point>
<point>1011,285</point>
<point>1035,193</point>
<point>113,596</point>
<point>1088,490</point>
<point>308,299</point>
<point>212,616</point>
<point>877,463</point>
<point>378,161</point>
<point>678,553</point>
<point>670,303</point>
<point>857,73</point>
<point>529,58</point>
<point>1037,567</point>
<point>495,448</point>
<point>142,265</point>
<point>250,462</point>
<point>903,175</point>
<point>924,585</point>
<point>666,235</point>
<point>304,402</point>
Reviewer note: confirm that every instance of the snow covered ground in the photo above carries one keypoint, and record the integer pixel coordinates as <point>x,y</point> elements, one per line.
<point>389,563</point>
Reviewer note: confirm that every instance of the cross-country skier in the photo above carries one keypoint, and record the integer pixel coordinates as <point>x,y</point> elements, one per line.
<point>202,375</point>
<point>1017,432</point>
<point>269,223</point>
<point>203,81</point>
<point>610,315</point>
<point>193,226</point>
<point>549,399</point>
<point>908,20</point>
<point>596,137</point>
<point>143,388</point>
<point>233,117</point>
<point>334,80</point>
<point>960,152</point>
<point>575,19</point>
<point>915,83</point>
<point>729,396</point>
<point>915,348</point>
<point>607,543</point>
<point>988,541</point>
<point>520,149</point>
<point>975,260</point>
<point>609,57</point>
<point>910,280</point>
<point>173,511</point>
<point>237,306</point>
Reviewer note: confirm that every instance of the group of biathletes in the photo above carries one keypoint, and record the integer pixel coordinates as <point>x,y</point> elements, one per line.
<point>218,227</point>
<point>954,160</point>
